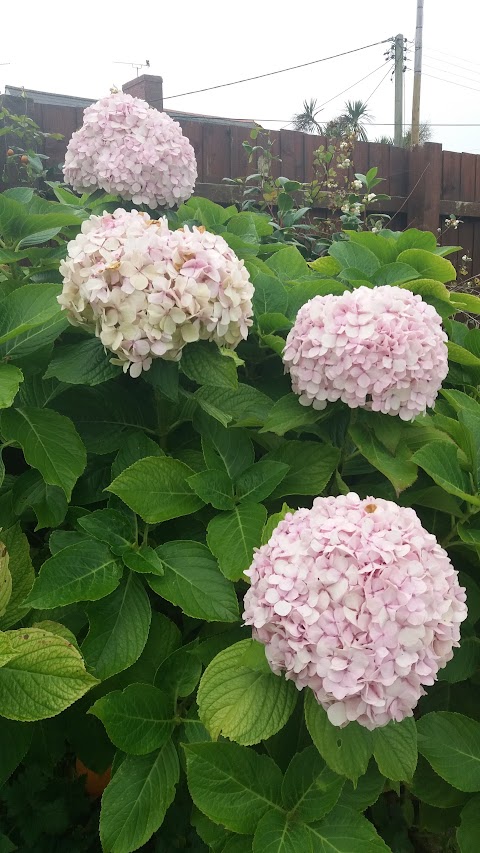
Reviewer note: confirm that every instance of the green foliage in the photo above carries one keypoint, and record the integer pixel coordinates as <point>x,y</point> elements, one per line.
<point>130,510</point>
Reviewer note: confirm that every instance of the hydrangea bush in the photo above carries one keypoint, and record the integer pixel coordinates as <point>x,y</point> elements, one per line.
<point>239,595</point>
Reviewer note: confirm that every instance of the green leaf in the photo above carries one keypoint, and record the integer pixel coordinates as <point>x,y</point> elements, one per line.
<point>232,536</point>
<point>428,265</point>
<point>10,379</point>
<point>117,529</point>
<point>82,363</point>
<point>193,581</point>
<point>48,502</point>
<point>275,833</point>
<point>231,784</point>
<point>468,832</point>
<point>302,291</point>
<point>465,661</point>
<point>49,442</point>
<point>168,494</point>
<point>385,248</point>
<point>204,364</point>
<point>288,264</point>
<point>27,307</point>
<point>311,466</point>
<point>229,450</point>
<point>180,672</point>
<point>135,445</point>
<point>15,740</point>
<point>163,375</point>
<point>213,487</point>
<point>21,570</point>
<point>413,238</point>
<point>432,789</point>
<point>396,466</point>
<point>451,744</point>
<point>273,521</point>
<point>119,627</point>
<point>138,720</point>
<point>5,580</point>
<point>345,831</point>
<point>440,462</point>
<point>466,301</point>
<point>260,480</point>
<point>365,792</point>
<point>270,296</point>
<point>394,274</point>
<point>287,413</point>
<point>326,266</point>
<point>347,751</point>
<point>85,571</point>
<point>310,789</point>
<point>45,675</point>
<point>6,846</point>
<point>460,355</point>
<point>242,703</point>
<point>395,749</point>
<point>246,405</point>
<point>350,254</point>
<point>273,322</point>
<point>143,560</point>
<point>136,800</point>
<point>41,338</point>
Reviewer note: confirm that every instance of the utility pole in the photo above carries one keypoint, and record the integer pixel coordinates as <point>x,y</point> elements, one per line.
<point>417,77</point>
<point>398,134</point>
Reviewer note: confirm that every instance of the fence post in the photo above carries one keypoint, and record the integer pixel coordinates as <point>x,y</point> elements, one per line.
<point>149,87</point>
<point>424,186</point>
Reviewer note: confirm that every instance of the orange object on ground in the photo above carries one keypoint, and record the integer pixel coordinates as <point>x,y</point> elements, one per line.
<point>95,783</point>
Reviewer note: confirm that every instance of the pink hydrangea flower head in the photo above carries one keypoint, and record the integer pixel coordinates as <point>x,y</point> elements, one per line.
<point>128,148</point>
<point>147,291</point>
<point>381,348</point>
<point>354,599</point>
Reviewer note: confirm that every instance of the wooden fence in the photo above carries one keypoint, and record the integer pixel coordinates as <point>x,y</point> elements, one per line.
<point>426,184</point>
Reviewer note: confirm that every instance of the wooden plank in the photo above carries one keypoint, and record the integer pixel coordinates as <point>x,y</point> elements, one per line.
<point>193,130</point>
<point>475,266</point>
<point>379,157</point>
<point>58,120</point>
<point>465,239</point>
<point>292,154</point>
<point>360,157</point>
<point>425,168</point>
<point>311,144</point>
<point>460,208</point>
<point>452,162</point>
<point>398,171</point>
<point>467,177</point>
<point>240,167</point>
<point>216,152</point>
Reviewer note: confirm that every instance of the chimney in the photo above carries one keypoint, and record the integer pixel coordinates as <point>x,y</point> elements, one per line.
<point>149,87</point>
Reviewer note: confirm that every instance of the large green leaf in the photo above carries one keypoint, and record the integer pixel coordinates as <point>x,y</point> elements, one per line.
<point>287,414</point>
<point>49,442</point>
<point>168,494</point>
<point>10,379</point>
<point>204,363</point>
<point>232,785</point>
<point>213,487</point>
<point>310,789</point>
<point>347,751</point>
<point>5,580</point>
<point>15,739</point>
<point>135,445</point>
<point>451,744</point>
<point>395,749</point>
<point>85,571</point>
<point>229,450</point>
<point>27,307</point>
<point>288,264</point>
<point>440,461</point>
<point>276,833</point>
<point>413,238</point>
<point>138,719</point>
<point>246,406</point>
<point>345,831</point>
<point>260,480</point>
<point>193,581</point>
<point>82,363</point>
<point>232,536</point>
<point>21,570</point>
<point>49,503</point>
<point>311,466</point>
<point>350,254</point>
<point>365,792</point>
<point>396,466</point>
<point>119,626</point>
<point>428,264</point>
<point>468,832</point>
<point>243,702</point>
<point>136,800</point>
<point>430,788</point>
<point>117,529</point>
<point>43,675</point>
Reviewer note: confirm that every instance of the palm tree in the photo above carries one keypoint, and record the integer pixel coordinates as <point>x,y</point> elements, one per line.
<point>355,113</point>
<point>424,136</point>
<point>306,121</point>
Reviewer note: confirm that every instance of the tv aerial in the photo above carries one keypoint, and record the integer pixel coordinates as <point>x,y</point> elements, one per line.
<point>136,65</point>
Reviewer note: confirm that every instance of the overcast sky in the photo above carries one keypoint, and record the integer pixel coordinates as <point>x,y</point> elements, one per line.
<point>72,48</point>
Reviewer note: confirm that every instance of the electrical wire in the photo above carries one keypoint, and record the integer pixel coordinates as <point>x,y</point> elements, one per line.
<point>444,63</point>
<point>279,71</point>
<point>461,58</point>
<point>389,71</point>
<point>452,82</point>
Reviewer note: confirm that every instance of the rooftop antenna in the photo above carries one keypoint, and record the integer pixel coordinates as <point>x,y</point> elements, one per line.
<point>136,65</point>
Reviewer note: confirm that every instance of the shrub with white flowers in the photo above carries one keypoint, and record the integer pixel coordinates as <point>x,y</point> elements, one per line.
<point>355,599</point>
<point>380,348</point>
<point>146,291</point>
<point>128,148</point>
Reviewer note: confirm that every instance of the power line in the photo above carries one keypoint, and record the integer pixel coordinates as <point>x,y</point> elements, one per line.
<point>389,71</point>
<point>451,64</point>
<point>452,82</point>
<point>461,58</point>
<point>453,73</point>
<point>280,70</point>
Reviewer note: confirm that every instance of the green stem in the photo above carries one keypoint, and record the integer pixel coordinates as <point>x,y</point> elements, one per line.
<point>454,531</point>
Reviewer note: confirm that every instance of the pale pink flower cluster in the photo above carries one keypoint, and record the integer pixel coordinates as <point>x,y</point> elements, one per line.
<point>354,599</point>
<point>380,348</point>
<point>128,148</point>
<point>146,291</point>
